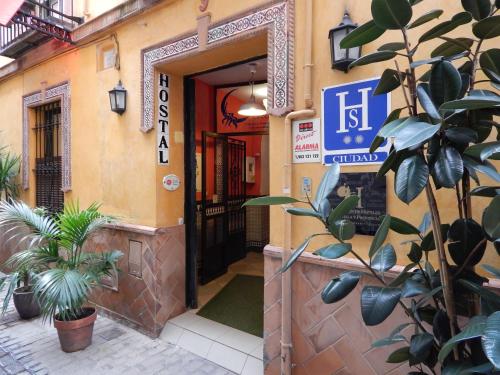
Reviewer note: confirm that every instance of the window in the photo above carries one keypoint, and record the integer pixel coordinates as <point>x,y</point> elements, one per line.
<point>48,162</point>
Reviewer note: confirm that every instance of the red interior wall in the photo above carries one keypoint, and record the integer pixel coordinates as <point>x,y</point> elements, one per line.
<point>205,120</point>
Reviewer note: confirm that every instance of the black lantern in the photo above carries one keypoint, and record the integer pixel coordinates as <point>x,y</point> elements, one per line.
<point>118,98</point>
<point>342,57</point>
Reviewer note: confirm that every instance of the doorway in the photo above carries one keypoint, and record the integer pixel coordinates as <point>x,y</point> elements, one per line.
<point>227,162</point>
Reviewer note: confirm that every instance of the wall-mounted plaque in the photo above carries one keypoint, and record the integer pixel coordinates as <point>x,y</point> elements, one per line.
<point>372,203</point>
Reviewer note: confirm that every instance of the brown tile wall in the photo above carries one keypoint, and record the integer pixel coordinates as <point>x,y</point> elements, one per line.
<point>147,302</point>
<point>327,339</point>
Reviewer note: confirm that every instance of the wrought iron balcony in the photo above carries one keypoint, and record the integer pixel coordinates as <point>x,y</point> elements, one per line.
<point>36,22</point>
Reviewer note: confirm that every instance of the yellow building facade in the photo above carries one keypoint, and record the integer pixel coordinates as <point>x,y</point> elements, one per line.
<point>113,159</point>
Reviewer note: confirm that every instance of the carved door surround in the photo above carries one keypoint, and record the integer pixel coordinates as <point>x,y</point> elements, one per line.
<point>277,18</point>
<point>60,92</point>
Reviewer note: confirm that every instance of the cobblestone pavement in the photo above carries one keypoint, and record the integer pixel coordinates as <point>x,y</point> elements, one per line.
<point>30,347</point>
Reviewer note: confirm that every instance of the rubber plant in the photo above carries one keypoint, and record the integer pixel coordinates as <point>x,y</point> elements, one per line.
<point>445,136</point>
<point>67,274</point>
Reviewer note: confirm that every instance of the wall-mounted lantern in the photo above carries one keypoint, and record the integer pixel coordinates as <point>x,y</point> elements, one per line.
<point>118,98</point>
<point>342,57</point>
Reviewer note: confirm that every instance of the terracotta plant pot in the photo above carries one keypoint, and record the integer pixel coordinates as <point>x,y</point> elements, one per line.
<point>75,335</point>
<point>25,302</point>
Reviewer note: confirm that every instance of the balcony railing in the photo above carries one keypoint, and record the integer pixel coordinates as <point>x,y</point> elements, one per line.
<point>34,23</point>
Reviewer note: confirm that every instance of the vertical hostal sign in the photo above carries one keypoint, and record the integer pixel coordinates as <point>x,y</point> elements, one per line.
<point>163,120</point>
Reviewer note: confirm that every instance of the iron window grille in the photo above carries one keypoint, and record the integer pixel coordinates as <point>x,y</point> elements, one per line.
<point>48,162</point>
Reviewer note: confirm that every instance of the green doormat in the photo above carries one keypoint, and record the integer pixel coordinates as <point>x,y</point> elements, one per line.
<point>240,304</point>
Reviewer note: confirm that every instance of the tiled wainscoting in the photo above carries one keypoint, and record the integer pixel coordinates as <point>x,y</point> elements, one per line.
<point>327,339</point>
<point>150,288</point>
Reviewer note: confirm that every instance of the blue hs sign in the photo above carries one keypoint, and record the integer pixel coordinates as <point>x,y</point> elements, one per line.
<point>352,117</point>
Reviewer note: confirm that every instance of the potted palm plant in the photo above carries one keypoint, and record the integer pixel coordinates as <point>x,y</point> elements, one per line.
<point>9,170</point>
<point>20,289</point>
<point>68,272</point>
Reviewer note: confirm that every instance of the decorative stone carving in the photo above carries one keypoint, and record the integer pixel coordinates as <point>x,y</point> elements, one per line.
<point>203,6</point>
<point>63,93</point>
<point>277,18</point>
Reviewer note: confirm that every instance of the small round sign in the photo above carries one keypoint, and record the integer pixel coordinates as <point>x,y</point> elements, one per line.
<point>171,182</point>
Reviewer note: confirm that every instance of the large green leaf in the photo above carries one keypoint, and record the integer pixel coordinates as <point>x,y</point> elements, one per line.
<point>445,83</point>
<point>296,254</point>
<point>269,201</point>
<point>477,99</point>
<point>484,151</point>
<point>340,287</point>
<point>325,189</point>
<point>388,82</point>
<point>491,218</point>
<point>486,167</point>
<point>420,347</point>
<point>334,251</point>
<point>461,136</point>
<point>363,34</point>
<point>373,58</point>
<point>448,167</point>
<point>388,341</point>
<point>392,46</point>
<point>447,26</point>
<point>486,191</point>
<point>399,355</point>
<point>478,8</point>
<point>380,235</point>
<point>465,235</point>
<point>426,223</point>
<point>344,207</point>
<point>425,100</point>
<point>377,303</point>
<point>342,230</point>
<point>429,16</point>
<point>391,14</point>
<point>487,28</point>
<point>491,339</point>
<point>413,288</point>
<point>490,63</point>
<point>377,141</point>
<point>411,178</point>
<point>384,259</point>
<point>303,212</point>
<point>414,133</point>
<point>403,227</point>
<point>391,128</point>
<point>474,328</point>
<point>486,295</point>
<point>452,47</point>
<point>415,254</point>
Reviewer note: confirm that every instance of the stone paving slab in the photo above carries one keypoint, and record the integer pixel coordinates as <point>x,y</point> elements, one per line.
<point>32,348</point>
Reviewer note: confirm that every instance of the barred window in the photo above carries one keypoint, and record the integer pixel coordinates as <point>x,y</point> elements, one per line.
<point>48,162</point>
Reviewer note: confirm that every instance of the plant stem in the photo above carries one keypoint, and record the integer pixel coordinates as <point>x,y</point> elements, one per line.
<point>444,274</point>
<point>459,201</point>
<point>471,254</point>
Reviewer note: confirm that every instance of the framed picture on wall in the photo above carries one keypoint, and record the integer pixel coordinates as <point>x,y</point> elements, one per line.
<point>198,172</point>
<point>250,170</point>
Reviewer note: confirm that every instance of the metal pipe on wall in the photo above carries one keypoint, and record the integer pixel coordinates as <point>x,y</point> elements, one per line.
<point>286,278</point>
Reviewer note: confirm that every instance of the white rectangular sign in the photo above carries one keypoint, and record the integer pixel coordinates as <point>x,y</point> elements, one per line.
<point>306,141</point>
<point>162,128</point>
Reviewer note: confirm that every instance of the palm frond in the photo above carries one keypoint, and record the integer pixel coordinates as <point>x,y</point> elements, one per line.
<point>77,225</point>
<point>12,282</point>
<point>21,216</point>
<point>9,169</point>
<point>99,265</point>
<point>36,259</point>
<point>62,291</point>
